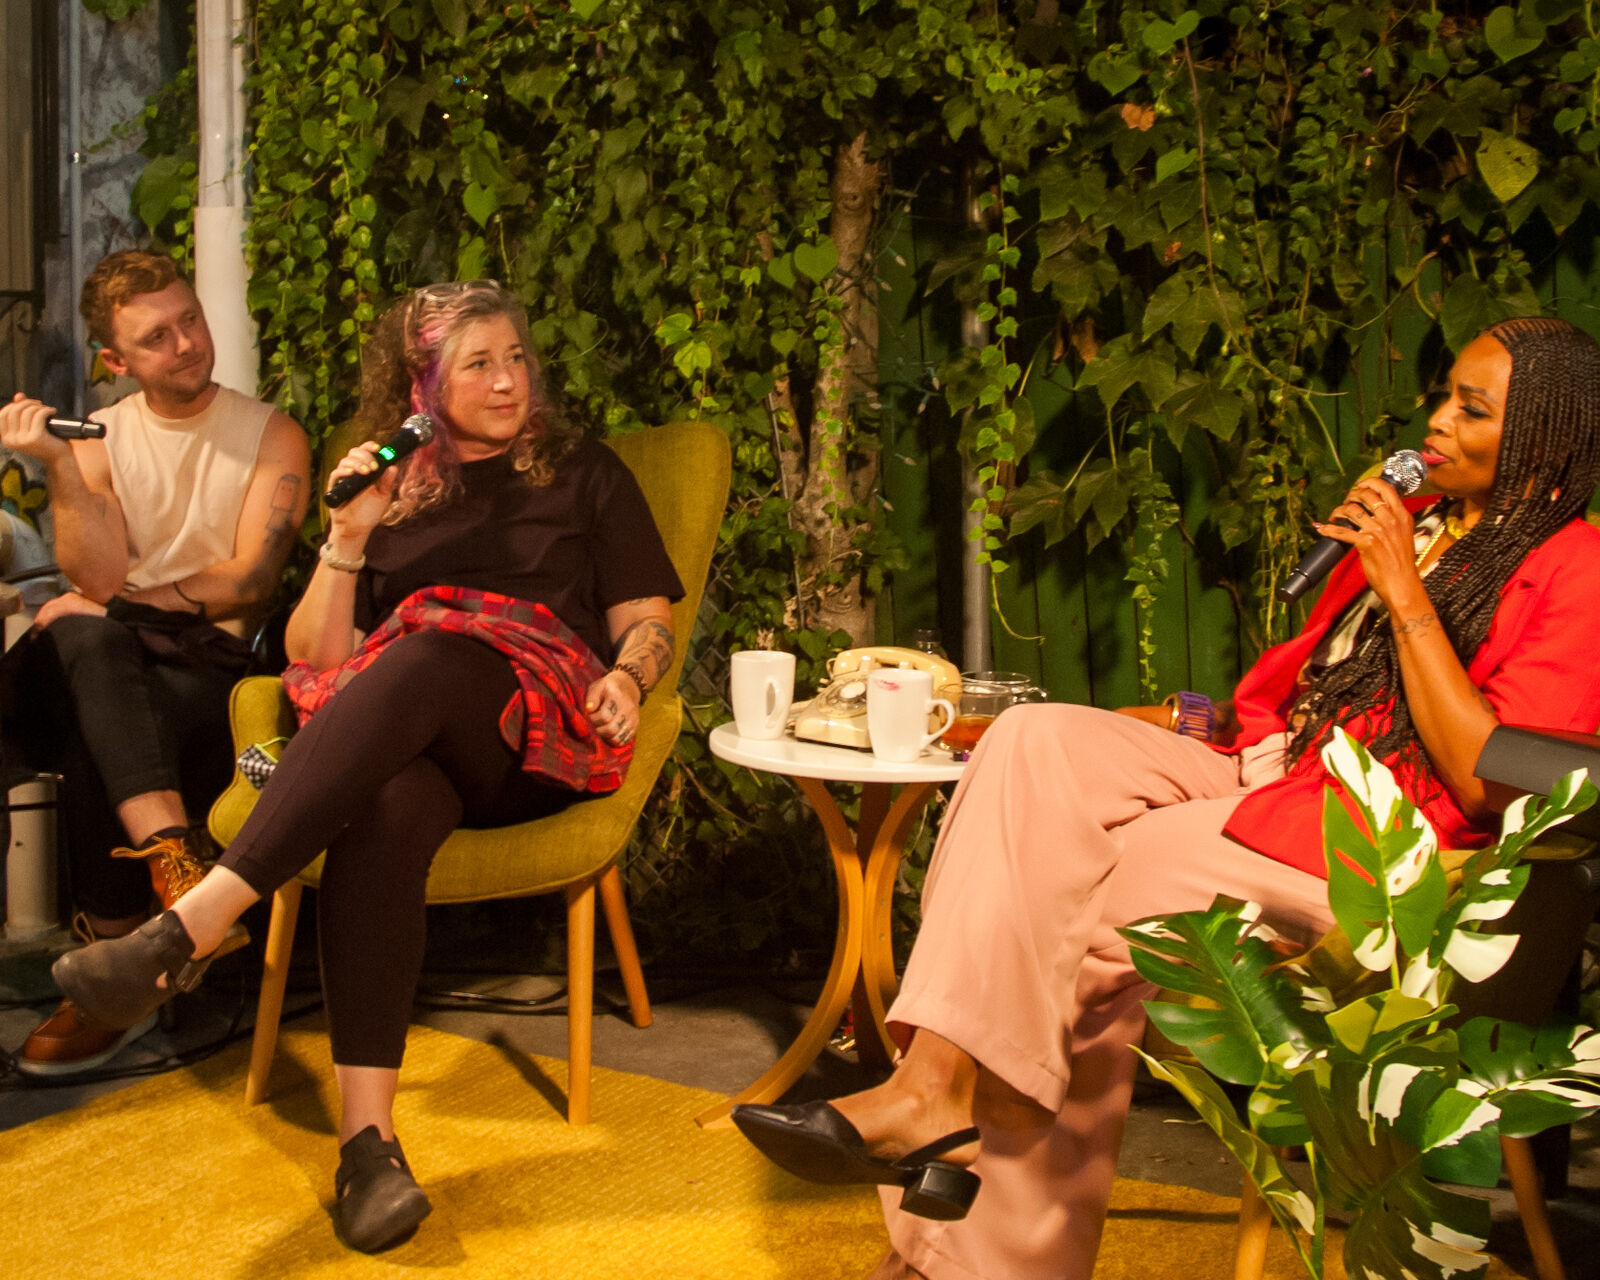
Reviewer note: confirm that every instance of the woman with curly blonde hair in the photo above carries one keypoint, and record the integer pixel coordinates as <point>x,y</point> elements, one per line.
<point>485,618</point>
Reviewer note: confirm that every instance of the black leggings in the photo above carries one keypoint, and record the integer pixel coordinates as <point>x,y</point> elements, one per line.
<point>87,699</point>
<point>409,750</point>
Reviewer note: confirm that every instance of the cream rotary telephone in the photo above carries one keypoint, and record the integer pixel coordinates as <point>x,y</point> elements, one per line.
<point>838,714</point>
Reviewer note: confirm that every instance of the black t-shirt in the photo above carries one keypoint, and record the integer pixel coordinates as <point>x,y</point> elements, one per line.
<point>578,545</point>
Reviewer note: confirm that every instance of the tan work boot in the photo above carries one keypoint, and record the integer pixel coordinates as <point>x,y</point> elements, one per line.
<point>174,864</point>
<point>175,868</point>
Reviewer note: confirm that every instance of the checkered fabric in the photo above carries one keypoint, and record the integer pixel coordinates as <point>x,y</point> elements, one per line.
<point>256,764</point>
<point>545,721</point>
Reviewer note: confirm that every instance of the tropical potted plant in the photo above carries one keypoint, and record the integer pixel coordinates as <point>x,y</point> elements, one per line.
<point>1389,1098</point>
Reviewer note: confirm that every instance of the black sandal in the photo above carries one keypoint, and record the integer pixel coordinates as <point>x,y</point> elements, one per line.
<point>377,1202</point>
<point>815,1142</point>
<point>117,981</point>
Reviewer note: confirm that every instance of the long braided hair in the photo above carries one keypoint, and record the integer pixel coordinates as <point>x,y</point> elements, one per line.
<point>1548,468</point>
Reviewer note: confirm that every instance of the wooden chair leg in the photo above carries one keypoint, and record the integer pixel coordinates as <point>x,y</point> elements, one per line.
<point>1529,1195</point>
<point>274,978</point>
<point>580,998</point>
<point>616,908</point>
<point>1255,1224</point>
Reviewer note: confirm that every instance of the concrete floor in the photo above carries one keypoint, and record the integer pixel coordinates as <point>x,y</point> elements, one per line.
<point>711,1031</point>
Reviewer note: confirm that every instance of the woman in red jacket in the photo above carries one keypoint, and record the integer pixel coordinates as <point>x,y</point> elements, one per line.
<point>1457,613</point>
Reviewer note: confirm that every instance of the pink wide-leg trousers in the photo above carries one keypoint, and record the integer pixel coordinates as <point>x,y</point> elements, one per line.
<point>1069,822</point>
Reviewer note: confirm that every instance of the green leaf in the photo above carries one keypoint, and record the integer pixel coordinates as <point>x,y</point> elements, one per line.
<point>1400,1223</point>
<point>1291,1208</point>
<point>1120,366</point>
<point>314,137</point>
<point>1511,35</point>
<point>1198,402</point>
<point>1507,164</point>
<point>585,9</point>
<point>1040,500</point>
<point>406,100</point>
<point>536,83</point>
<point>1162,37</point>
<point>1385,884</point>
<point>161,187</point>
<point>782,270</point>
<point>1249,1007</point>
<point>1114,74</point>
<point>1174,161</point>
<point>1468,309</point>
<point>630,187</point>
<point>480,202</point>
<point>452,16</point>
<point>816,261</point>
<point>1538,1078</point>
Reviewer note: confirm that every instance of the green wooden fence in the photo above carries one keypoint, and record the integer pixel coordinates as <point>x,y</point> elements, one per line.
<point>1071,621</point>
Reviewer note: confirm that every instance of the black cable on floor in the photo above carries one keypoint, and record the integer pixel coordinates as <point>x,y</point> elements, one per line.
<point>13,1080</point>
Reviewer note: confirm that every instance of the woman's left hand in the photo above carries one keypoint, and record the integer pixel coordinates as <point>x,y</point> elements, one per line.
<point>612,703</point>
<point>1384,537</point>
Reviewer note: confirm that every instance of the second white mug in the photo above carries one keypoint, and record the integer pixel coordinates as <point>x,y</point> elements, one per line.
<point>899,703</point>
<point>761,688</point>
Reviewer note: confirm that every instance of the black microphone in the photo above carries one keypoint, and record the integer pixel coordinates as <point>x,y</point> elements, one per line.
<point>1405,471</point>
<point>414,432</point>
<point>75,429</point>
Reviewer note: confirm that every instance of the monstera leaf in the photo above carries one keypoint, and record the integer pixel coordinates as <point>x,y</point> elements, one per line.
<point>1400,1222</point>
<point>1489,892</point>
<point>1293,1209</point>
<point>1385,885</point>
<point>1223,957</point>
<point>1386,1096</point>
<point>1537,1078</point>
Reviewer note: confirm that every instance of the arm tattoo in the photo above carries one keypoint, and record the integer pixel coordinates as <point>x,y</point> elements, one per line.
<point>1415,626</point>
<point>280,521</point>
<point>648,641</point>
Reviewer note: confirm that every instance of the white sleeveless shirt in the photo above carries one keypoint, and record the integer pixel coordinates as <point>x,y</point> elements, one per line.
<point>182,481</point>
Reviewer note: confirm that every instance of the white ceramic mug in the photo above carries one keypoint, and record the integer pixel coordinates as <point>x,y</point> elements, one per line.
<point>899,704</point>
<point>761,688</point>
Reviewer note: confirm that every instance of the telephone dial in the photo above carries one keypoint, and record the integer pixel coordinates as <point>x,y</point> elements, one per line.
<point>838,714</point>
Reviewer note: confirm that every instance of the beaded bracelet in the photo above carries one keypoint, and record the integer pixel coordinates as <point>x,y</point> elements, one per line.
<point>334,560</point>
<point>635,673</point>
<point>1193,714</point>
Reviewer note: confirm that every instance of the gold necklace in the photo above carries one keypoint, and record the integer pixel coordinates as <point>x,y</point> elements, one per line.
<point>1437,534</point>
<point>1457,527</point>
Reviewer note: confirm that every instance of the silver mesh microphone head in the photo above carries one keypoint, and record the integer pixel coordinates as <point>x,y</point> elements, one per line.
<point>421,426</point>
<point>1405,470</point>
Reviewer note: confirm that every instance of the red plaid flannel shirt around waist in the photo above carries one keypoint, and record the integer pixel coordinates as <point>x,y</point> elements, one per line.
<point>545,720</point>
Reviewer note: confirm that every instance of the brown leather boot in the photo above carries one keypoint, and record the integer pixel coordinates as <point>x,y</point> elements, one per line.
<point>175,868</point>
<point>68,1042</point>
<point>174,864</point>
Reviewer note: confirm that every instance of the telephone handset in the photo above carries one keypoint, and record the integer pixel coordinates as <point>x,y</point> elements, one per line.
<point>838,714</point>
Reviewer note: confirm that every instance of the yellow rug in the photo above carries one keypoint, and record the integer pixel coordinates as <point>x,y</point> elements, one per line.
<point>176,1177</point>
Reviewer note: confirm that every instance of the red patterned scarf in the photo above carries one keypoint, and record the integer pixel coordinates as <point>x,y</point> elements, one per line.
<point>546,720</point>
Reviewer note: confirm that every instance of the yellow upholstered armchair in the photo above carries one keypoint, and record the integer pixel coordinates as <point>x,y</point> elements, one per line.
<point>684,471</point>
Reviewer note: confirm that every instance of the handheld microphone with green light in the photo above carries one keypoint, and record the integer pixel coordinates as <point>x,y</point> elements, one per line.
<point>414,432</point>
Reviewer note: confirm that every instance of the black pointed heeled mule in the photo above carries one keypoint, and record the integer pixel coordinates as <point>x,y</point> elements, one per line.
<point>815,1142</point>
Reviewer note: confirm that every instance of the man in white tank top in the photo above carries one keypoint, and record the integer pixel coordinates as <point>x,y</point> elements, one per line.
<point>174,531</point>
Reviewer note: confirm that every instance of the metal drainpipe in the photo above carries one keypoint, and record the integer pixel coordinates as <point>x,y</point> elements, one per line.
<point>977,650</point>
<point>221,273</point>
<point>80,332</point>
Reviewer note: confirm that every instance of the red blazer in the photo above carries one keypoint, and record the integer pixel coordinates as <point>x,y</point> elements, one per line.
<point>1537,666</point>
